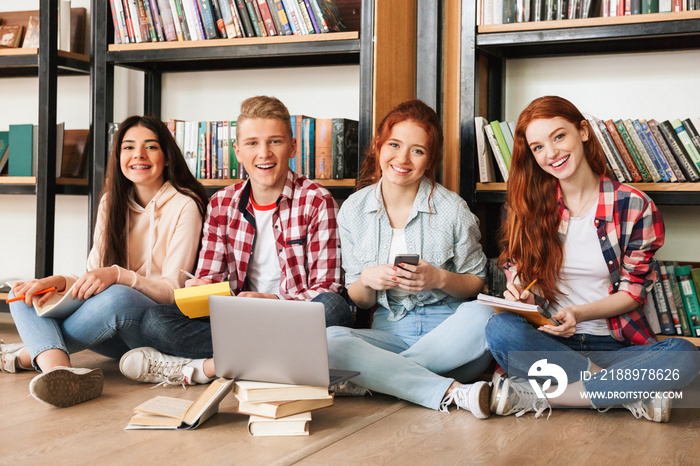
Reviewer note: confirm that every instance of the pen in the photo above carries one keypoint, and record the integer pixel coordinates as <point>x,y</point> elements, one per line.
<point>189,275</point>
<point>19,298</point>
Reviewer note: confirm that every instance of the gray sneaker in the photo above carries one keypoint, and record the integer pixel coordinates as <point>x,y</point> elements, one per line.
<point>656,409</point>
<point>66,386</point>
<point>514,395</point>
<point>348,388</point>
<point>9,352</point>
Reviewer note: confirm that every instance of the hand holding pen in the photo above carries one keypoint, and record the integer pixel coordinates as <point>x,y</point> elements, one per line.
<point>194,281</point>
<point>513,293</point>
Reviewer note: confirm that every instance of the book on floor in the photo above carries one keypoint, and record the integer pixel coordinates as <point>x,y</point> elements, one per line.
<point>533,313</point>
<point>164,412</point>
<point>291,425</point>
<point>247,390</point>
<point>194,300</point>
<point>280,409</point>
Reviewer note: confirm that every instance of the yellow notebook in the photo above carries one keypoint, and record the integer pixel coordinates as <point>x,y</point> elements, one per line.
<point>194,301</point>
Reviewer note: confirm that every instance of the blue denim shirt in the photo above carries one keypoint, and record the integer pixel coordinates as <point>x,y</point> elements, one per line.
<point>441,229</point>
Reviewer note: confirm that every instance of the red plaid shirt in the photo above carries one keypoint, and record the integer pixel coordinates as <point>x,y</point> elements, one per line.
<point>306,238</point>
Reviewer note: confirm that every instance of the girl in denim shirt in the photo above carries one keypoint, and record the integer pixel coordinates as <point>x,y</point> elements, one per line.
<point>423,329</point>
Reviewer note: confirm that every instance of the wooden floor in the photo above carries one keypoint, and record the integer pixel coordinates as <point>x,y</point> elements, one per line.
<point>369,430</point>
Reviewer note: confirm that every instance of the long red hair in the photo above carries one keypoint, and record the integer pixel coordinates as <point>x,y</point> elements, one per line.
<point>417,112</point>
<point>529,235</point>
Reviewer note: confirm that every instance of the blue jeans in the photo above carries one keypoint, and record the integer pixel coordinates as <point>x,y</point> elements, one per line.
<point>168,330</point>
<point>108,323</point>
<point>516,345</point>
<point>403,358</point>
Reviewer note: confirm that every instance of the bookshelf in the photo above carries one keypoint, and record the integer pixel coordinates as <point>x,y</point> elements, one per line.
<point>381,40</point>
<point>46,63</point>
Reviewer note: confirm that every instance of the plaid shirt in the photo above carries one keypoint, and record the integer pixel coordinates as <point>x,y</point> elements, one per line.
<point>630,229</point>
<point>305,231</point>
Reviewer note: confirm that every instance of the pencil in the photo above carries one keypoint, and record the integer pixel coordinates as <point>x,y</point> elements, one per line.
<point>189,275</point>
<point>19,298</point>
<point>530,285</point>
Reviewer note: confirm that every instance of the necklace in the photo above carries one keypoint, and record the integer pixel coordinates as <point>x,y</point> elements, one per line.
<point>582,210</point>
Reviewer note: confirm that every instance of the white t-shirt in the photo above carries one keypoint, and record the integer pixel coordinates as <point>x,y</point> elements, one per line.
<point>264,270</point>
<point>397,246</point>
<point>584,274</point>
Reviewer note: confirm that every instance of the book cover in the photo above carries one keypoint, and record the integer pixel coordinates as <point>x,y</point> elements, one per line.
<point>237,25</point>
<point>194,300</point>
<point>132,15</point>
<point>500,139</point>
<point>225,138</point>
<point>11,35</point>
<point>143,22</point>
<point>4,152</point>
<point>280,409</point>
<point>207,16</point>
<point>247,24</point>
<point>305,17</point>
<point>64,27</point>
<point>297,424</point>
<point>308,154</point>
<point>312,16</point>
<point>622,150</point>
<point>508,11</point>
<point>318,13</point>
<point>634,153</point>
<point>678,298</point>
<point>345,148</point>
<point>668,294</point>
<point>610,157</point>
<point>507,135</point>
<point>282,16</point>
<point>219,19</point>
<point>496,150</point>
<point>164,412</point>
<point>659,145</point>
<point>31,35</point>
<point>266,16</point>
<point>690,298</point>
<point>331,14</point>
<point>20,150</point>
<point>234,159</point>
<point>120,33</point>
<point>692,133</point>
<point>255,19</point>
<point>665,316</point>
<point>166,16</point>
<point>187,33</point>
<point>323,150</point>
<point>247,390</point>
<point>59,306</point>
<point>690,171</point>
<point>295,21</point>
<point>687,143</point>
<point>75,143</point>
<point>275,17</point>
<point>533,313</point>
<point>153,24</point>
<point>649,6</point>
<point>483,154</point>
<point>654,165</point>
<point>191,12</point>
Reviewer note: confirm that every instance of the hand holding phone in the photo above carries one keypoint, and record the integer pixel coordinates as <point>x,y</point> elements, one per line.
<point>411,259</point>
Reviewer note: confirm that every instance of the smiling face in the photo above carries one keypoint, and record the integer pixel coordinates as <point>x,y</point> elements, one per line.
<point>264,147</point>
<point>558,146</point>
<point>403,158</point>
<point>141,159</point>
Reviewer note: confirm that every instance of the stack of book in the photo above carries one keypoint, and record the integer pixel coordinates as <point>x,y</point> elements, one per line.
<point>636,150</point>
<point>326,148</point>
<point>279,409</point>
<point>179,20</point>
<point>672,307</point>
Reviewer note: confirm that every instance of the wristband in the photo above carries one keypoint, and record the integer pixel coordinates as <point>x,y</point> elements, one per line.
<point>119,274</point>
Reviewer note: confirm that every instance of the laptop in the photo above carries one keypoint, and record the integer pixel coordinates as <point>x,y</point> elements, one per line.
<point>270,340</point>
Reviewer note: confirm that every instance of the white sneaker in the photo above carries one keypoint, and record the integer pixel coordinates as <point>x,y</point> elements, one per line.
<point>657,409</point>
<point>9,352</point>
<point>66,386</point>
<point>149,365</point>
<point>471,397</point>
<point>515,395</point>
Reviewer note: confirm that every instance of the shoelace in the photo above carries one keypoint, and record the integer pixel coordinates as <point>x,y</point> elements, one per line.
<point>172,371</point>
<point>458,396</point>
<point>529,401</point>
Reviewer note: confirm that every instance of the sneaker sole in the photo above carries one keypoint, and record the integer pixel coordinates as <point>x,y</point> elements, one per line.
<point>499,396</point>
<point>481,399</point>
<point>63,388</point>
<point>662,413</point>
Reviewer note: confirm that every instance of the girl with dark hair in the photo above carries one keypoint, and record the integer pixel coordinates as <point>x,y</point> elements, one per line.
<point>590,243</point>
<point>148,226</point>
<point>423,328</point>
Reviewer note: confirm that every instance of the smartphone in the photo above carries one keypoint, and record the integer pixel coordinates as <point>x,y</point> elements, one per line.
<point>411,259</point>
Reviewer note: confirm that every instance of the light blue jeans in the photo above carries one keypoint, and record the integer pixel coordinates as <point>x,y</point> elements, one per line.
<point>108,323</point>
<point>404,358</point>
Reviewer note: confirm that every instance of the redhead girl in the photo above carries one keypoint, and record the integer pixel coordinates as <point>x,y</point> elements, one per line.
<point>148,226</point>
<point>590,243</point>
<point>423,327</point>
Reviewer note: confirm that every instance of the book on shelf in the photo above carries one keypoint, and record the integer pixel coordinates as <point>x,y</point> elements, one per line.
<point>75,143</point>
<point>11,35</point>
<point>143,21</point>
<point>665,317</point>
<point>531,312</point>
<point>218,18</point>
<point>330,14</point>
<point>686,141</point>
<point>280,409</point>
<point>496,150</point>
<point>601,134</point>
<point>20,145</point>
<point>649,156</point>
<point>632,150</point>
<point>193,301</point>
<point>59,306</point>
<point>662,153</point>
<point>345,148</point>
<point>297,424</point>
<point>686,164</point>
<point>323,148</point>
<point>690,298</point>
<point>259,392</point>
<point>165,412</point>
<point>207,17</point>
<point>622,150</point>
<point>4,150</point>
<point>266,16</point>
<point>668,294</point>
<point>312,16</point>
<point>255,19</point>
<point>242,11</point>
<point>308,147</point>
<point>295,22</point>
<point>502,144</point>
<point>150,21</point>
<point>677,298</point>
<point>305,17</point>
<point>64,26</point>
<point>692,131</point>
<point>483,153</point>
<point>284,27</point>
<point>31,34</point>
<point>651,314</point>
<point>171,27</point>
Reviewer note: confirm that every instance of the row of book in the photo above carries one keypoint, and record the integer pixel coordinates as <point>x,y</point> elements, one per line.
<point>673,308</point>
<point>327,148</point>
<point>179,20</point>
<point>19,151</point>
<point>520,11</point>
<point>274,409</point>
<point>27,36</point>
<point>636,150</point>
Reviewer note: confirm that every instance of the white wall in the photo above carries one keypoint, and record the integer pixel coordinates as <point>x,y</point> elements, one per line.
<point>654,85</point>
